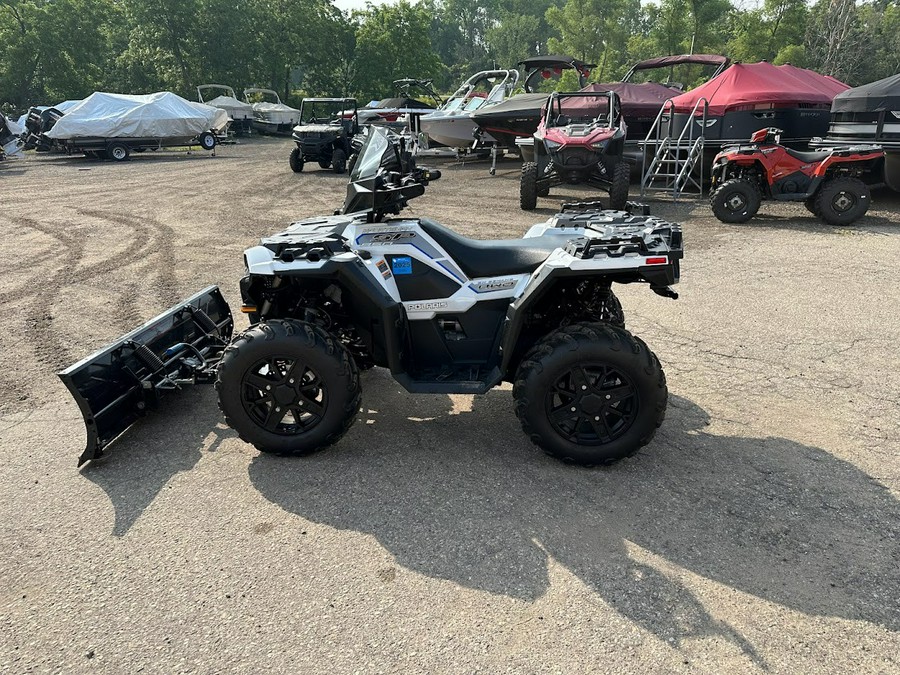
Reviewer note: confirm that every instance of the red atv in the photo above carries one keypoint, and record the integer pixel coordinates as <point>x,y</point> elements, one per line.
<point>828,181</point>
<point>581,139</point>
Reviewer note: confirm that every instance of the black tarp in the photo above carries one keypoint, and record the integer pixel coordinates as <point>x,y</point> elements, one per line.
<point>554,60</point>
<point>663,61</point>
<point>880,96</point>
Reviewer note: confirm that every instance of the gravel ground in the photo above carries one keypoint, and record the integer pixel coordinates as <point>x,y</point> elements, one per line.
<point>760,531</point>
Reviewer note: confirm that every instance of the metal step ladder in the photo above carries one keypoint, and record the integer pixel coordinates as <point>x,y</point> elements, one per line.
<point>677,163</point>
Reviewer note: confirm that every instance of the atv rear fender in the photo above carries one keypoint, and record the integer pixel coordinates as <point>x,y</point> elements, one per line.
<point>658,268</point>
<point>854,162</point>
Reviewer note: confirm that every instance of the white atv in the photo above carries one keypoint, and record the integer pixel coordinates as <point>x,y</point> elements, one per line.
<point>334,295</point>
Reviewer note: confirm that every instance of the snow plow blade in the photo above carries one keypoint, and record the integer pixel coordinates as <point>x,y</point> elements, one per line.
<point>119,383</point>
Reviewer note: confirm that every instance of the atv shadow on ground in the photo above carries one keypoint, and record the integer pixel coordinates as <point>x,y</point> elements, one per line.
<point>137,466</point>
<point>466,498</point>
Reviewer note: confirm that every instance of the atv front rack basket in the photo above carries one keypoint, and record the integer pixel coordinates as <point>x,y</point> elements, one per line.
<point>117,384</point>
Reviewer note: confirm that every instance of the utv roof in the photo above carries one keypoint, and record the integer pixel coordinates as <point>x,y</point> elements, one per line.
<point>551,60</point>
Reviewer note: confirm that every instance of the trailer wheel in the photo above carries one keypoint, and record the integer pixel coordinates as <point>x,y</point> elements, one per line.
<point>618,189</point>
<point>288,387</point>
<point>296,160</point>
<point>735,201</point>
<point>207,140</point>
<point>118,152</point>
<point>339,161</point>
<point>842,201</point>
<point>590,394</point>
<point>528,191</point>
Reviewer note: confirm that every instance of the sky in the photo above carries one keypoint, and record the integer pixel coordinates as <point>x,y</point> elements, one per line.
<point>358,4</point>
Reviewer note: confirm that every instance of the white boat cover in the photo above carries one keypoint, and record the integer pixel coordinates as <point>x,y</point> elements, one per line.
<point>159,115</point>
<point>269,107</point>
<point>237,109</point>
<point>14,128</point>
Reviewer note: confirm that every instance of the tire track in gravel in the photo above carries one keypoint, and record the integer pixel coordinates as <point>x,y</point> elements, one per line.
<point>16,385</point>
<point>157,252</point>
<point>47,342</point>
<point>39,328</point>
<point>33,282</point>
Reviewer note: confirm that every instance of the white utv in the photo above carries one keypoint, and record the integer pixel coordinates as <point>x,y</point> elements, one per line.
<point>334,295</point>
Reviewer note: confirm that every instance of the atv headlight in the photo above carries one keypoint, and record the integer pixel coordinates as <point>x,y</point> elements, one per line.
<point>551,145</point>
<point>599,145</point>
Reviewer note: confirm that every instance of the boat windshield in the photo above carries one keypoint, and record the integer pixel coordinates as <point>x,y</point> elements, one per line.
<point>474,103</point>
<point>454,104</point>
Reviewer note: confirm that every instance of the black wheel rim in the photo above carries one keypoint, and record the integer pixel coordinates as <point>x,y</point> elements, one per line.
<point>735,201</point>
<point>843,201</point>
<point>592,404</point>
<point>284,395</point>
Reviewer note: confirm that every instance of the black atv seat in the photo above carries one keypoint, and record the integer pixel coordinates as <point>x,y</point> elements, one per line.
<point>493,257</point>
<point>810,156</point>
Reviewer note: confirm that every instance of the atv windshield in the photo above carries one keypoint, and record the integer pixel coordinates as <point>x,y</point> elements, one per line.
<point>375,152</point>
<point>383,178</point>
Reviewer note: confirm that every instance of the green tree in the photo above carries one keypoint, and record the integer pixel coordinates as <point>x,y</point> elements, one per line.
<point>775,32</point>
<point>514,38</point>
<point>392,42</point>
<point>596,31</point>
<point>54,50</point>
<point>836,39</point>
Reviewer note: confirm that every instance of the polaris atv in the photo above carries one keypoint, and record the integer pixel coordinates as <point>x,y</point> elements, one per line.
<point>828,181</point>
<point>327,127</point>
<point>580,139</point>
<point>334,295</point>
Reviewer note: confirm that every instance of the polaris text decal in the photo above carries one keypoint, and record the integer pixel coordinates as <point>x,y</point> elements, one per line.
<point>424,306</point>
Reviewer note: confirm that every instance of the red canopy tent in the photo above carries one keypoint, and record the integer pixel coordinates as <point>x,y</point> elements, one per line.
<point>757,86</point>
<point>826,83</point>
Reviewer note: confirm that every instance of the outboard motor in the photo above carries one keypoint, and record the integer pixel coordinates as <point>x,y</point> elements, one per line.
<point>39,121</point>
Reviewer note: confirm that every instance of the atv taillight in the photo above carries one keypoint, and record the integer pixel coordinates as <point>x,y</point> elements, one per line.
<point>657,261</point>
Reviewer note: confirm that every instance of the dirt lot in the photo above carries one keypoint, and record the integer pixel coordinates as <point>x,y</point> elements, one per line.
<point>759,531</point>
